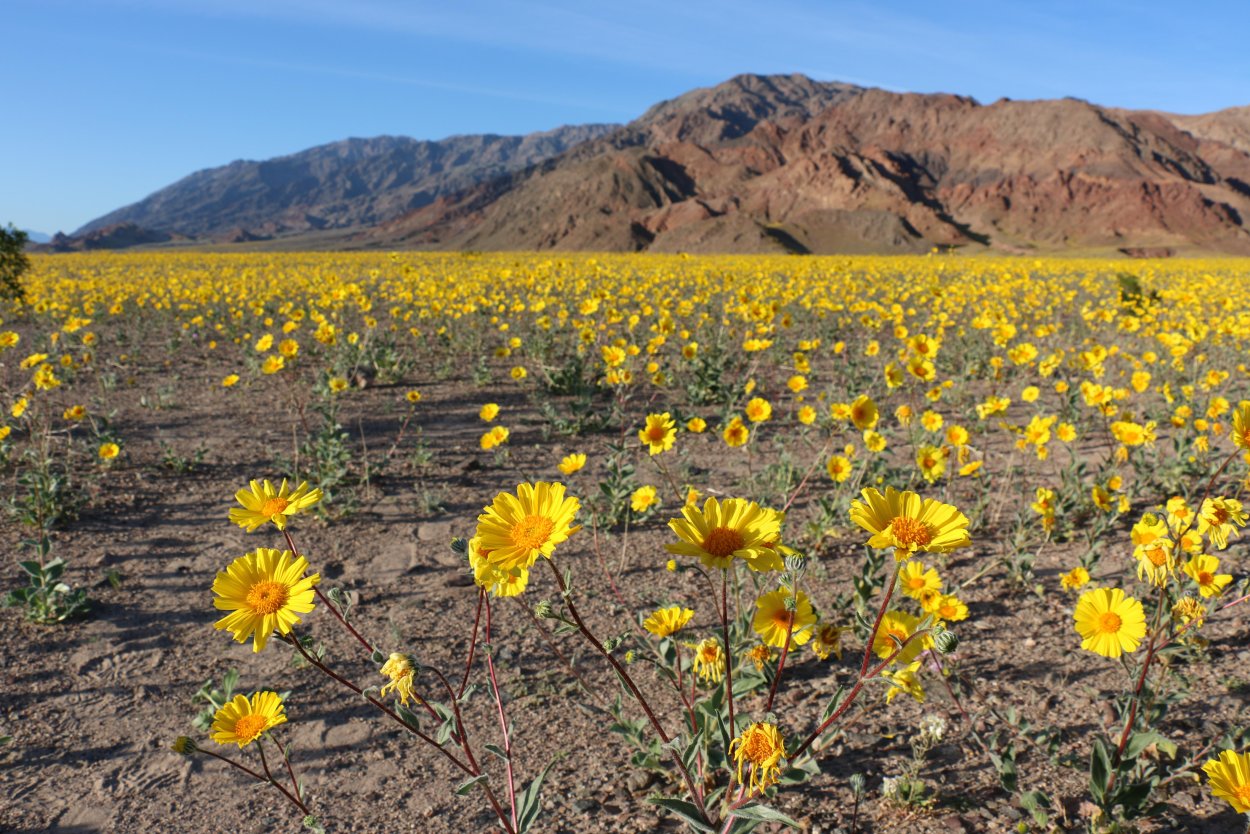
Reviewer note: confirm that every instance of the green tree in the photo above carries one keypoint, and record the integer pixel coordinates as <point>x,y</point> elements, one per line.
<point>13,262</point>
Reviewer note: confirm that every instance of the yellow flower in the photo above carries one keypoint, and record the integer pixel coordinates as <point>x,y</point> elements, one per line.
<point>263,590</point>
<point>19,407</point>
<point>75,412</point>
<point>519,373</point>
<point>950,609</point>
<point>914,580</point>
<point>264,343</point>
<point>797,383</point>
<point>1241,426</point>
<point>957,436</point>
<point>932,462</point>
<point>1189,610</point>
<point>242,721</point>
<point>726,529</point>
<point>759,410</point>
<point>671,566</point>
<point>773,618</point>
<point>761,749</point>
<point>759,655</point>
<point>908,523</point>
<point>864,413</point>
<point>1074,579</point>
<point>828,641</point>
<point>337,384</point>
<point>904,680</point>
<point>896,627</point>
<point>488,412</point>
<point>108,451</point>
<point>696,425</point>
<point>229,380</point>
<point>261,503</point>
<point>32,360</point>
<point>502,582</point>
<point>1109,622</point>
<point>659,433</point>
<point>398,667</point>
<point>1202,569</point>
<point>667,621</point>
<point>273,364</point>
<point>643,499</point>
<point>806,415</point>
<point>874,441</point>
<point>516,529</point>
<point>413,396</point>
<point>289,348</point>
<point>839,468</point>
<point>1229,776</point>
<point>572,463</point>
<point>9,339</point>
<point>709,661</point>
<point>736,433</point>
<point>1219,518</point>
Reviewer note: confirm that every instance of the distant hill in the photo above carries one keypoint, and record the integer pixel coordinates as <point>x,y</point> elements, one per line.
<point>37,237</point>
<point>757,163</point>
<point>352,183</point>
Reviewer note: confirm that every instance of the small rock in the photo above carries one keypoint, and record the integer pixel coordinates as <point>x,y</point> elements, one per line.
<point>585,805</point>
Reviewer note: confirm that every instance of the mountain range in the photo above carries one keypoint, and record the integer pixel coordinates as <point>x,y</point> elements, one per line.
<point>755,164</point>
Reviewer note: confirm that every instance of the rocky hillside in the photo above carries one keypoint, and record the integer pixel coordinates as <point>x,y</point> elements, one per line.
<point>352,183</point>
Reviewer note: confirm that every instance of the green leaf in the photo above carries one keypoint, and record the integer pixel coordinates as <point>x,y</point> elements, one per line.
<point>530,805</point>
<point>497,750</point>
<point>763,813</point>
<point>1138,742</point>
<point>1099,771</point>
<point>32,568</point>
<point>470,784</point>
<point>686,810</point>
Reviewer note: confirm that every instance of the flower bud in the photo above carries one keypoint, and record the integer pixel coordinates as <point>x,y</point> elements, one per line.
<point>858,784</point>
<point>796,565</point>
<point>460,546</point>
<point>945,642</point>
<point>544,611</point>
<point>184,746</point>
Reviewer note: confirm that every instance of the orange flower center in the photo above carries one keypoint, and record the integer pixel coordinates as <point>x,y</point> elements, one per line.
<point>781,618</point>
<point>267,597</point>
<point>897,632</point>
<point>274,506</point>
<point>655,434</point>
<point>916,583</point>
<point>758,748</point>
<point>1109,623</point>
<point>911,531</point>
<point>1157,556</point>
<point>1219,515</point>
<point>723,541</point>
<point>250,726</point>
<point>532,531</point>
<point>947,612</point>
<point>1205,577</point>
<point>1242,793</point>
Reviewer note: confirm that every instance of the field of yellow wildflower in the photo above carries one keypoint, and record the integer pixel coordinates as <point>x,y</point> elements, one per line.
<point>472,542</point>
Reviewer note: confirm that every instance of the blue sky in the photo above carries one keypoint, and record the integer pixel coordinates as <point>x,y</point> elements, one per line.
<point>117,98</point>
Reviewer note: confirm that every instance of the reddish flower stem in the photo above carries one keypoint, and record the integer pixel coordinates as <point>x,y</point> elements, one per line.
<point>468,664</point>
<point>333,608</point>
<point>781,664</point>
<point>503,721</point>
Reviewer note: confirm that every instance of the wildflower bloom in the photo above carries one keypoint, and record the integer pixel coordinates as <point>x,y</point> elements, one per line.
<point>709,660</point>
<point>904,680</point>
<point>108,451</point>
<point>1220,517</point>
<point>896,627</point>
<point>502,582</point>
<point>736,433</point>
<point>864,413</point>
<point>908,523</point>
<point>488,412</point>
<point>659,433</point>
<point>774,618</point>
<point>265,590</point>
<point>1074,579</point>
<point>723,530</point>
<point>517,529</point>
<point>1202,569</point>
<point>950,608</point>
<point>572,463</point>
<point>413,396</point>
<point>667,621</point>
<point>261,503</point>
<point>761,748</point>
<point>1109,622</point>
<point>336,384</point>
<point>1189,610</point>
<point>229,379</point>
<point>241,720</point>
<point>914,579</point>
<point>643,499</point>
<point>399,669</point>
<point>758,410</point>
<point>1241,427</point>
<point>839,468</point>
<point>827,640</point>
<point>696,425</point>
<point>1229,776</point>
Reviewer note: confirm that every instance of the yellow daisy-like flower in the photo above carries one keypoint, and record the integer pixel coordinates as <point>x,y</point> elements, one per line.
<point>1074,579</point>
<point>1109,622</point>
<point>488,412</point>
<point>241,721</point>
<point>666,621</point>
<point>864,413</point>
<point>839,468</point>
<point>1241,427</point>
<point>229,380</point>
<point>709,661</point>
<point>759,410</point>
<point>759,655</point>
<point>643,499</point>
<point>399,669</point>
<point>337,384</point>
<point>760,749</point>
<point>950,608</point>
<point>904,680</point>
<point>896,627</point>
<point>914,579</point>
<point>572,463</point>
<point>1229,777</point>
<point>517,529</point>
<point>108,451</point>
<point>659,434</point>
<point>908,523</point>
<point>1202,569</point>
<point>273,363</point>
<point>828,641</point>
<point>502,582</point>
<point>265,590</point>
<point>696,425</point>
<point>1220,517</point>
<point>736,433</point>
<point>726,529</point>
<point>773,618</point>
<point>261,503</point>
<point>413,396</point>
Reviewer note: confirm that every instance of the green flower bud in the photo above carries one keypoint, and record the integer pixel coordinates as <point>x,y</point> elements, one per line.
<point>945,642</point>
